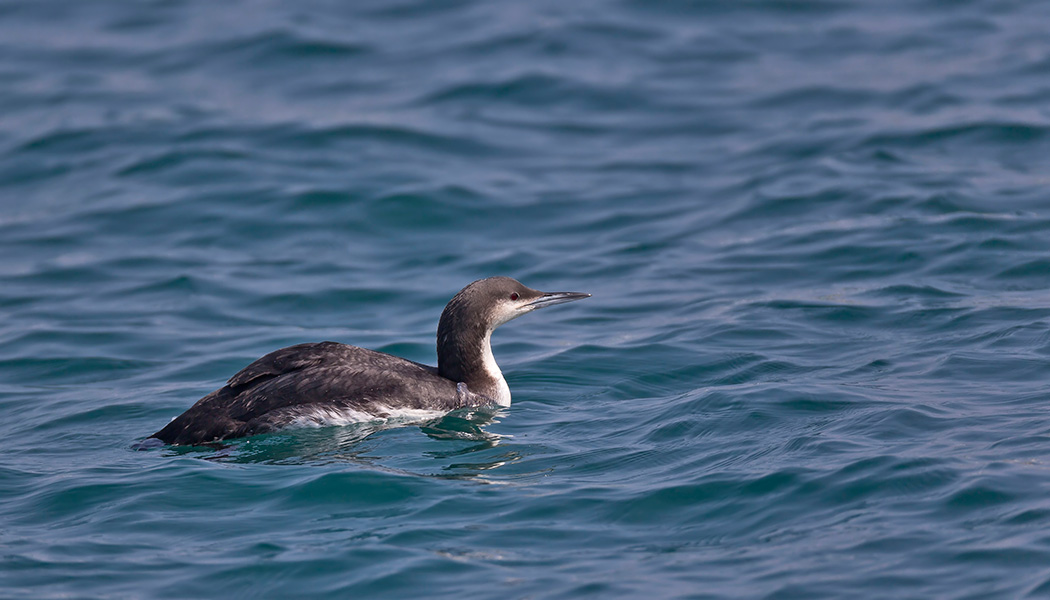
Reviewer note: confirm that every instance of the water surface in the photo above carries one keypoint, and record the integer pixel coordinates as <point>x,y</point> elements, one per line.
<point>815,363</point>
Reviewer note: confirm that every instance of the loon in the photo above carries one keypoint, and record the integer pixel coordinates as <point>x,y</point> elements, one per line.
<point>329,382</point>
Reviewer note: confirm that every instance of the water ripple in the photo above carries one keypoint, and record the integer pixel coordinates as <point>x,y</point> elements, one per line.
<point>813,364</point>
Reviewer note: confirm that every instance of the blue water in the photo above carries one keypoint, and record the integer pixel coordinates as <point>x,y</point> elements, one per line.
<point>816,362</point>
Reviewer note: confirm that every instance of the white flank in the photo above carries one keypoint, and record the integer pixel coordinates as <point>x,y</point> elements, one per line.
<point>324,416</point>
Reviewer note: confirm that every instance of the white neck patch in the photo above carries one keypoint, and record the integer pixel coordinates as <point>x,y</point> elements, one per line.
<point>501,395</point>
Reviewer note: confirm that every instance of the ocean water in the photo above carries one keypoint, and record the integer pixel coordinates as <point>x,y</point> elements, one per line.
<point>816,363</point>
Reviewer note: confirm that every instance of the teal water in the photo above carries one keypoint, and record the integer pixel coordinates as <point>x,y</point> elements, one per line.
<point>815,364</point>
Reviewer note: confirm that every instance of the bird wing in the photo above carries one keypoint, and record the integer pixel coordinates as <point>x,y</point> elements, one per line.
<point>286,360</point>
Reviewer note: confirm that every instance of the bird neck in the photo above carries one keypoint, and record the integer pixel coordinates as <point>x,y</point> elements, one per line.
<point>465,355</point>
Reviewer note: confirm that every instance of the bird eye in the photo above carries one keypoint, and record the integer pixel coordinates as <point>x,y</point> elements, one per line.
<point>514,295</point>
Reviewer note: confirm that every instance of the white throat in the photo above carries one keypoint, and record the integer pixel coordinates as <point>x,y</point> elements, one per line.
<point>501,393</point>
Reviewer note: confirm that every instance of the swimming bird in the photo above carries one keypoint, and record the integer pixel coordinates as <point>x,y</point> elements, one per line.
<point>329,382</point>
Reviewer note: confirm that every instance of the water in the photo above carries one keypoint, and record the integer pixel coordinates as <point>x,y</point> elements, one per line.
<point>815,363</point>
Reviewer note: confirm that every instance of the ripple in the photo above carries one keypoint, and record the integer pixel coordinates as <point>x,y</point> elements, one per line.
<point>813,365</point>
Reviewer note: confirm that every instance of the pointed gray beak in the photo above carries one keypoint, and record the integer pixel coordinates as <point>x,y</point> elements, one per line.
<point>552,298</point>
